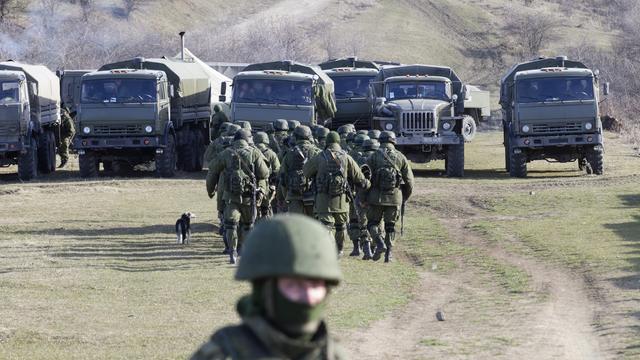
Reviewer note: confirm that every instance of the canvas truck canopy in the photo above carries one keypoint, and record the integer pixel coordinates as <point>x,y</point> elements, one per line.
<point>421,70</point>
<point>506,83</point>
<point>216,77</point>
<point>324,91</point>
<point>192,83</point>
<point>48,84</point>
<point>351,62</point>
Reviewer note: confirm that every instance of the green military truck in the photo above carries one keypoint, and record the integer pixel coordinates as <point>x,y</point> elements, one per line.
<point>287,90</point>
<point>29,115</point>
<point>550,109</point>
<point>142,110</point>
<point>424,106</point>
<point>70,81</point>
<point>351,78</point>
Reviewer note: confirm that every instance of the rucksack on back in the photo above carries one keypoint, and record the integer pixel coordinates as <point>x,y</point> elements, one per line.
<point>297,183</point>
<point>239,182</point>
<point>387,177</point>
<point>334,181</point>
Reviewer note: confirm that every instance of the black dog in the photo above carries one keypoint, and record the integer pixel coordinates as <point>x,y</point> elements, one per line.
<point>183,228</point>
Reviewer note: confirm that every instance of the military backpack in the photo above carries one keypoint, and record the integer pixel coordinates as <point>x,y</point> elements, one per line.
<point>387,177</point>
<point>334,181</point>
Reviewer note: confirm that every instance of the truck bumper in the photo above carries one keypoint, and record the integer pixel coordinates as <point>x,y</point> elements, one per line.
<point>558,140</point>
<point>429,140</point>
<point>10,147</point>
<point>96,143</point>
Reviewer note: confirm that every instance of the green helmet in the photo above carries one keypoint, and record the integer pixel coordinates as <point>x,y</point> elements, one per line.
<point>388,137</point>
<point>362,132</point>
<point>333,138</point>
<point>217,108</point>
<point>302,132</point>
<point>224,126</point>
<point>293,124</point>
<point>261,137</point>
<point>244,125</point>
<point>370,145</point>
<point>231,130</point>
<point>289,246</point>
<point>360,139</point>
<point>281,125</point>
<point>321,133</point>
<point>374,134</point>
<point>344,130</point>
<point>242,134</point>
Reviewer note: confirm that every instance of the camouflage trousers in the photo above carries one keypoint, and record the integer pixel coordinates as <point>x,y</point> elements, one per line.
<point>298,207</point>
<point>337,225</point>
<point>358,224</point>
<point>237,223</point>
<point>63,148</point>
<point>376,214</point>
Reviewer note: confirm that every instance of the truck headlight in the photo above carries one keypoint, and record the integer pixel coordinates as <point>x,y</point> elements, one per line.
<point>148,129</point>
<point>86,129</point>
<point>388,126</point>
<point>588,126</point>
<point>525,128</point>
<point>446,125</point>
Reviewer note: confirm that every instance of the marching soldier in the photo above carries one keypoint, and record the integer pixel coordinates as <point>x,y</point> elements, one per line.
<point>344,131</point>
<point>321,137</point>
<point>217,145</point>
<point>283,317</point>
<point>67,130</point>
<point>244,169</point>
<point>218,118</point>
<point>280,133</point>
<point>369,147</point>
<point>299,193</point>
<point>293,124</point>
<point>334,172</point>
<point>392,184</point>
<point>357,219</point>
<point>262,143</point>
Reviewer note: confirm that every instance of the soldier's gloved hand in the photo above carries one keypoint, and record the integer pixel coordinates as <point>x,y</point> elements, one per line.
<point>366,184</point>
<point>212,194</point>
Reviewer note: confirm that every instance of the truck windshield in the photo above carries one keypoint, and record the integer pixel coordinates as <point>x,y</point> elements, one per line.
<point>351,86</point>
<point>265,91</point>
<point>119,91</point>
<point>417,90</point>
<point>554,89</point>
<point>9,92</point>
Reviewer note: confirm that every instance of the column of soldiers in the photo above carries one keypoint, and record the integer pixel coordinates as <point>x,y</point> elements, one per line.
<point>355,183</point>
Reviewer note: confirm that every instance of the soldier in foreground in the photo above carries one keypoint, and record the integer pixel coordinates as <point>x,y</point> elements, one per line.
<point>244,169</point>
<point>299,192</point>
<point>334,172</point>
<point>283,317</point>
<point>392,184</point>
<point>67,130</point>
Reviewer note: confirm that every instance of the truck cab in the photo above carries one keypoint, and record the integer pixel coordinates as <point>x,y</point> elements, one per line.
<point>260,97</point>
<point>14,112</point>
<point>352,87</point>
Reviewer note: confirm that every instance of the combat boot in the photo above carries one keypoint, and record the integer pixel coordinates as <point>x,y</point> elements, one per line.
<point>387,255</point>
<point>233,256</point>
<point>63,162</point>
<point>366,248</point>
<point>356,248</point>
<point>380,249</point>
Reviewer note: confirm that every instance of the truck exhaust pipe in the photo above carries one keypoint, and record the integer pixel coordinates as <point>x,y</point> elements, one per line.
<point>182,45</point>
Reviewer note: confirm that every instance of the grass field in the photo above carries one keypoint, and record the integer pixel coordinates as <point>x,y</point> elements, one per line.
<point>89,269</point>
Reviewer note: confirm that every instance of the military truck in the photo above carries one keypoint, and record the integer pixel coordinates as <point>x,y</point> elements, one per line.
<point>29,113</point>
<point>70,81</point>
<point>287,90</point>
<point>424,106</point>
<point>142,110</point>
<point>351,78</point>
<point>550,109</point>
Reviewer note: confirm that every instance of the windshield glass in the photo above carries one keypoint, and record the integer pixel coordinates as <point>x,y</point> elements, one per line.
<point>554,89</point>
<point>352,86</point>
<point>417,90</point>
<point>9,91</point>
<point>119,91</point>
<point>264,91</point>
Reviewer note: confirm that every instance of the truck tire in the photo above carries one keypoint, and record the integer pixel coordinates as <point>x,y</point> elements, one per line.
<point>518,164</point>
<point>47,152</point>
<point>88,165</point>
<point>469,128</point>
<point>166,162</point>
<point>121,168</point>
<point>595,160</point>
<point>454,163</point>
<point>28,162</point>
<point>107,166</point>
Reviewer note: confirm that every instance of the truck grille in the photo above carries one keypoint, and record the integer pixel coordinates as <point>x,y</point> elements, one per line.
<point>557,128</point>
<point>8,130</point>
<point>417,121</point>
<point>118,130</point>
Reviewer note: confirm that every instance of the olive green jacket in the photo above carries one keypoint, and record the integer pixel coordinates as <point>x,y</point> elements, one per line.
<point>288,163</point>
<point>379,159</point>
<point>225,162</point>
<point>317,167</point>
<point>215,148</point>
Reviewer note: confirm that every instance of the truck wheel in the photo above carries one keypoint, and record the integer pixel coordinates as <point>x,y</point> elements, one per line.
<point>107,166</point>
<point>468,128</point>
<point>121,168</point>
<point>166,162</point>
<point>595,160</point>
<point>88,165</point>
<point>28,162</point>
<point>454,163</point>
<point>47,152</point>
<point>518,164</point>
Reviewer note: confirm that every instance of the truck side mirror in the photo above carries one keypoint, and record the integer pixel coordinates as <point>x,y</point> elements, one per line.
<point>33,88</point>
<point>172,91</point>
<point>223,88</point>
<point>606,89</point>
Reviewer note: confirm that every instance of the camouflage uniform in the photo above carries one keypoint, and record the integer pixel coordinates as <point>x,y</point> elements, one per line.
<point>239,163</point>
<point>334,172</point>
<point>67,130</point>
<point>280,133</point>
<point>218,118</point>
<point>299,193</point>
<point>262,143</point>
<point>265,316</point>
<point>344,131</point>
<point>392,183</point>
<point>368,147</point>
<point>357,218</point>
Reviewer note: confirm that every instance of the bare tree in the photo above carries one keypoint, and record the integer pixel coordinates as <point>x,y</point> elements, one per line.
<point>10,8</point>
<point>531,32</point>
<point>130,6</point>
